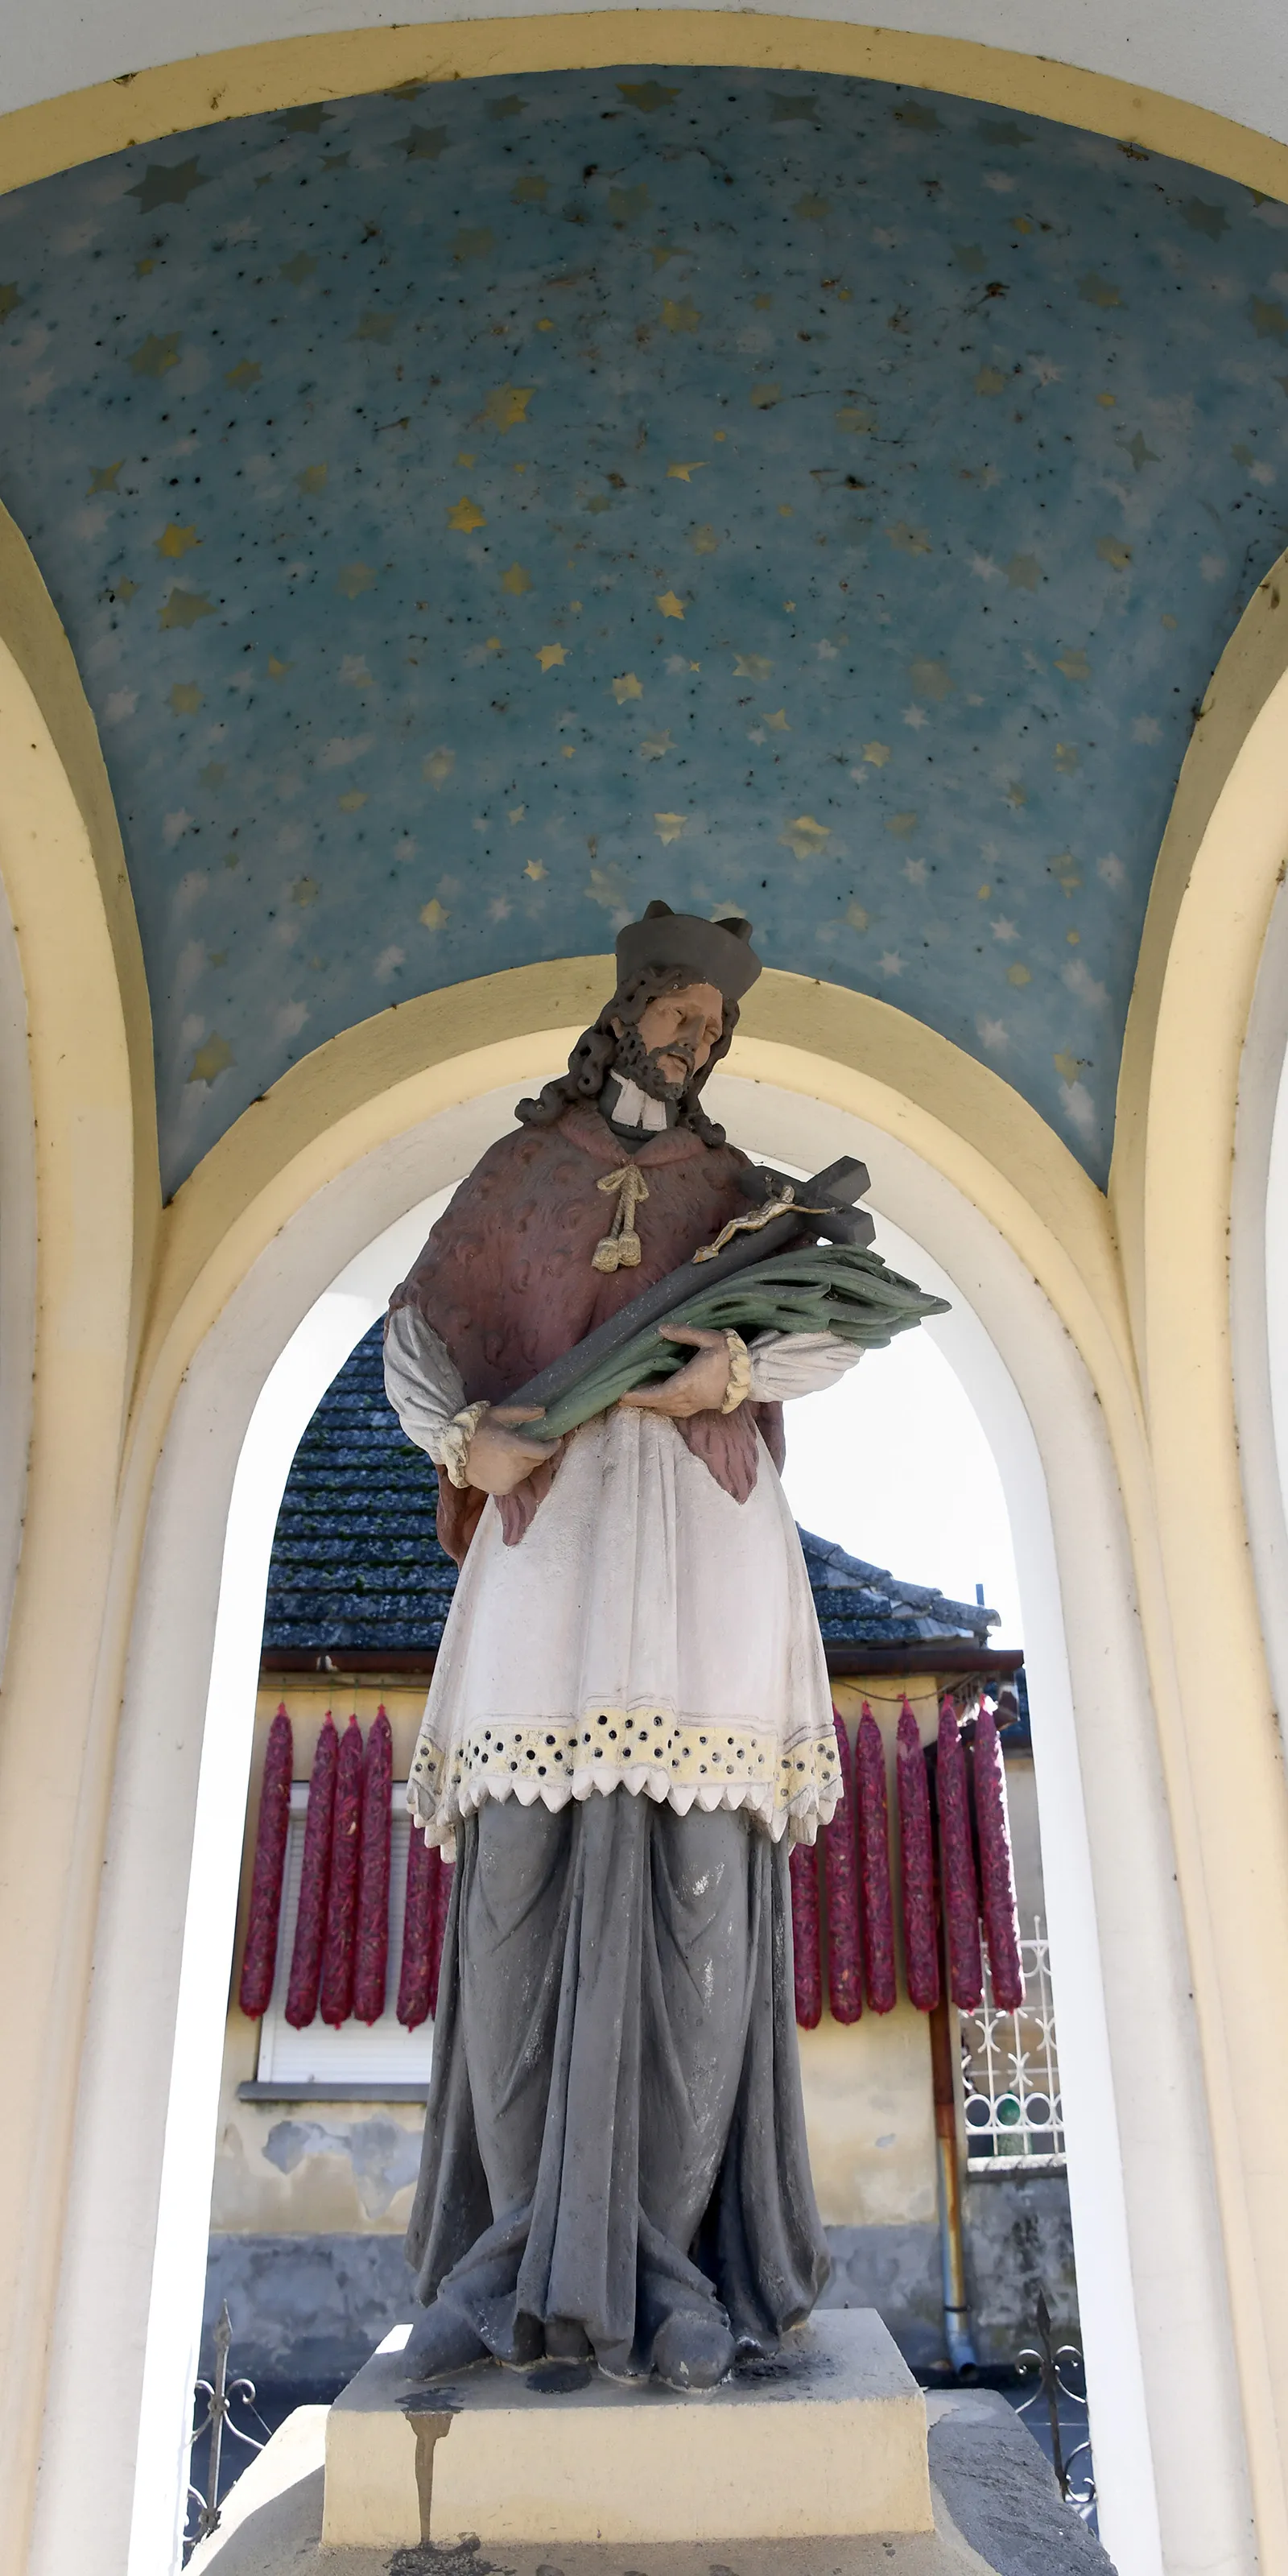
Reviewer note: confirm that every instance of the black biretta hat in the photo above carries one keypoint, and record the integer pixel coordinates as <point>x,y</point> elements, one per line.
<point>713,952</point>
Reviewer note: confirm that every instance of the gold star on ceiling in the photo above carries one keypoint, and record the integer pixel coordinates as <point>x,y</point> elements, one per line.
<point>669,826</point>
<point>506,406</point>
<point>516,581</point>
<point>103,478</point>
<point>212,1058</point>
<point>167,184</point>
<point>433,914</point>
<point>551,657</point>
<point>627,687</point>
<point>669,604</point>
<point>246,373</point>
<point>175,541</point>
<point>184,607</point>
<point>535,870</point>
<point>154,355</point>
<point>647,94</point>
<point>681,473</point>
<point>185,697</point>
<point>804,837</point>
<point>466,517</point>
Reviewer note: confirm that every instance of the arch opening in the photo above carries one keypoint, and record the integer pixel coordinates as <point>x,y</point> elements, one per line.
<point>142,2189</point>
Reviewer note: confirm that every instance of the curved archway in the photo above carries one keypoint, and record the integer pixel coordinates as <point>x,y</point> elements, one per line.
<point>142,2183</point>
<point>207,87</point>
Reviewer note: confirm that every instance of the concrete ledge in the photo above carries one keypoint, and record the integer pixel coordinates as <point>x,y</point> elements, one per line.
<point>830,2439</point>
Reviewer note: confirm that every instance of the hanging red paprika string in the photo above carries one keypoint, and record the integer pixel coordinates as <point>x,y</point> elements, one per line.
<point>806,1942</point>
<point>996,1868</point>
<point>259,1958</point>
<point>957,1864</point>
<point>872,1825</point>
<point>424,1868</point>
<point>315,1882</point>
<point>917,1867</point>
<point>371,1948</point>
<point>342,1897</point>
<point>442,1899</point>
<point>841,1879</point>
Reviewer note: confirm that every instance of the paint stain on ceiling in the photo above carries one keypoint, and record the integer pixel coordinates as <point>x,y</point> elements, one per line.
<point>477,510</point>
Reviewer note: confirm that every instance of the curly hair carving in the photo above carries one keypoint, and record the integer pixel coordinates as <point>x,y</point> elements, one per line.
<point>594,1055</point>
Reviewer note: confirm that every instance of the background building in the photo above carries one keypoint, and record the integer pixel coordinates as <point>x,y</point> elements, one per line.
<point>319,2129</point>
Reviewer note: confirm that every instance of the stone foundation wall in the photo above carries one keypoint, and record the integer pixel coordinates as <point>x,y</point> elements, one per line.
<point>308,2310</point>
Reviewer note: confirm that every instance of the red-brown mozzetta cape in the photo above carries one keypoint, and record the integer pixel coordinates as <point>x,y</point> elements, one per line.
<point>506,1281</point>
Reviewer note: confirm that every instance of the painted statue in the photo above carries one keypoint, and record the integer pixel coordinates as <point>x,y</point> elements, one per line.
<point>629,1724</point>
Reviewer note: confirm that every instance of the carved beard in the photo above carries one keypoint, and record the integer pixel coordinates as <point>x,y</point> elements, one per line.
<point>634,1062</point>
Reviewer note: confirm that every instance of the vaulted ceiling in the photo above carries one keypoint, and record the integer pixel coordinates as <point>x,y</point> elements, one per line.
<point>477,509</point>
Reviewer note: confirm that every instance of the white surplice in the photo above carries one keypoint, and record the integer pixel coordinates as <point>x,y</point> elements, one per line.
<point>647,1633</point>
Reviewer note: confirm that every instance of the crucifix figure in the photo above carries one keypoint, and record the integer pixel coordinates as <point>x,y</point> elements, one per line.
<point>629,1724</point>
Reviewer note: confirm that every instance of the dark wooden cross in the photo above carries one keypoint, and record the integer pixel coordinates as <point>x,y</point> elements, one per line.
<point>790,1214</point>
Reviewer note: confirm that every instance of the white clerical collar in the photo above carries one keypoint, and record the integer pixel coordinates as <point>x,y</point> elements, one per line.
<point>635,1108</point>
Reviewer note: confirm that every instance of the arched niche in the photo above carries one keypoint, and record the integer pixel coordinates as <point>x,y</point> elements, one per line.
<point>1157,2341</point>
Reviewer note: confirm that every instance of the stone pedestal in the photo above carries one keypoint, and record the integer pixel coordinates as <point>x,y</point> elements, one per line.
<point>828,2440</point>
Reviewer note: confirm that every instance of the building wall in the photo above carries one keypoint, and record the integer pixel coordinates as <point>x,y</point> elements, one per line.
<point>311,2198</point>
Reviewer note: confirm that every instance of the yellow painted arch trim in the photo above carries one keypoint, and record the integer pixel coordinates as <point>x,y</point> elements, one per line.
<point>375,1081</point>
<point>250,80</point>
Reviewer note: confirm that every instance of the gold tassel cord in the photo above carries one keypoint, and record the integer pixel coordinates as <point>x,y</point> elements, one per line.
<point>619,1249</point>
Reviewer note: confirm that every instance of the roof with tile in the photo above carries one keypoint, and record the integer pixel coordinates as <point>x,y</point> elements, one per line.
<point>357,1566</point>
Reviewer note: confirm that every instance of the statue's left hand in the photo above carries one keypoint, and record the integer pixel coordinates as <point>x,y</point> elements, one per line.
<point>699,1387</point>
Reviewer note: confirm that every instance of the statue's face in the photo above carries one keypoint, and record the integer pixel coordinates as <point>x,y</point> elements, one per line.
<point>679,1030</point>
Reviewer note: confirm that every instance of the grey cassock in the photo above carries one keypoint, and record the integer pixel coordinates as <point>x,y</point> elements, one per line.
<point>615,2134</point>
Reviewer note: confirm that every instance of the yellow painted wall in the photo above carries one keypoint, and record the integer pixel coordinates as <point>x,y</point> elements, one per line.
<point>868,2109</point>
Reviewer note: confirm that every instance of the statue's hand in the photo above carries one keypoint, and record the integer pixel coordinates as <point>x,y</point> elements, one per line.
<point>498,1458</point>
<point>700,1387</point>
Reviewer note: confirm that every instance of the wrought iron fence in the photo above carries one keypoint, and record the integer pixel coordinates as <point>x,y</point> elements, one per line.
<point>221,2395</point>
<point>1011,2071</point>
<point>1061,2378</point>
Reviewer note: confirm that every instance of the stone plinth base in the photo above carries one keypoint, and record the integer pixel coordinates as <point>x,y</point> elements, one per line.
<point>830,2439</point>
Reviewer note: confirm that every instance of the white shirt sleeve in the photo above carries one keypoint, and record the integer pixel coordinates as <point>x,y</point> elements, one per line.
<point>422,1381</point>
<point>787,1364</point>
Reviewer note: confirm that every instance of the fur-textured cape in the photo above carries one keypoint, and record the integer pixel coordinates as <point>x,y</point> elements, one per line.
<point>506,1281</point>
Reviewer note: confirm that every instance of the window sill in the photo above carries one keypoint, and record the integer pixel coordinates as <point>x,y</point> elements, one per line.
<point>332,2092</point>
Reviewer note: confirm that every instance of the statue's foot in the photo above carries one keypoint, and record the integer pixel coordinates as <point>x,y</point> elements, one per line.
<point>693,2352</point>
<point>441,2342</point>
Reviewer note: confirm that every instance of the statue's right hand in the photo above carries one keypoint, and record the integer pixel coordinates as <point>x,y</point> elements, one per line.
<point>499,1458</point>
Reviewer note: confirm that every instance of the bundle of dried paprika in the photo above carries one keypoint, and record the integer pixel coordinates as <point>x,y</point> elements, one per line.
<point>841,1880</point>
<point>419,1956</point>
<point>315,1882</point>
<point>873,1826</point>
<point>371,1951</point>
<point>957,1863</point>
<point>342,1896</point>
<point>806,1946</point>
<point>996,1869</point>
<point>259,1959</point>
<point>917,1867</point>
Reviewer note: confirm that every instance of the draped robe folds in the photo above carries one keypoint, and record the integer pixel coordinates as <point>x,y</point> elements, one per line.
<point>615,2141</point>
